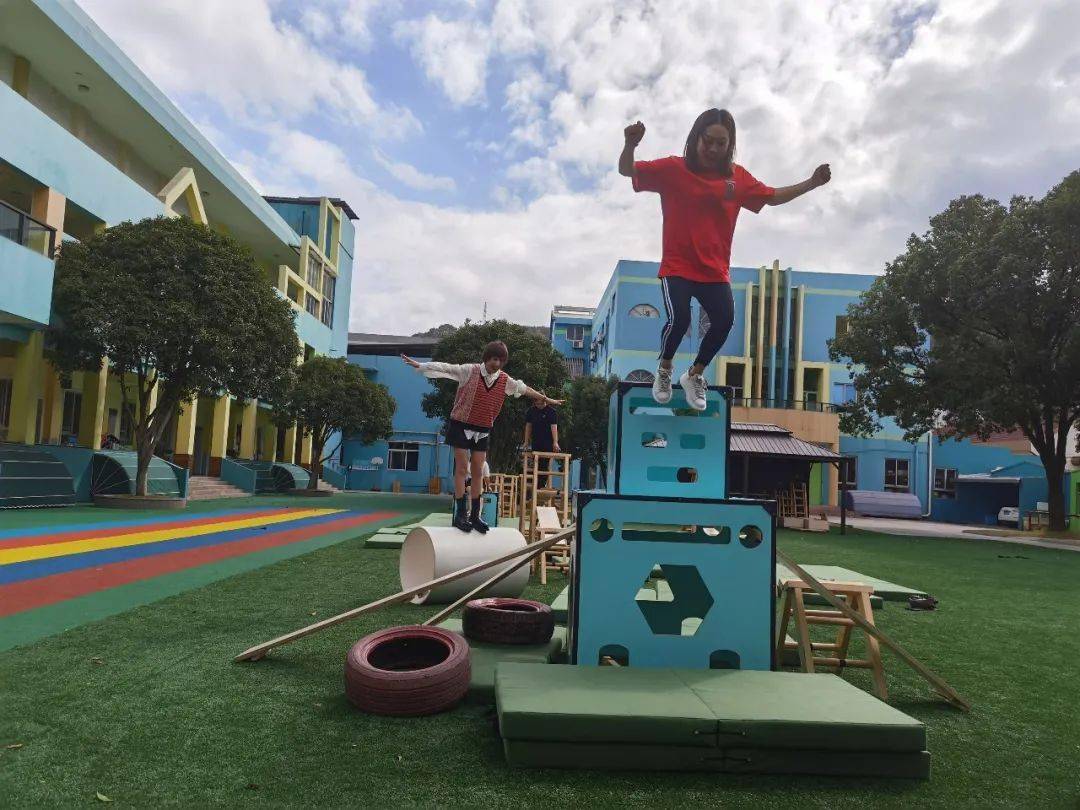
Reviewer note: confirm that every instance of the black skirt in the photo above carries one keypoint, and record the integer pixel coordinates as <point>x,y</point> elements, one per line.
<point>455,436</point>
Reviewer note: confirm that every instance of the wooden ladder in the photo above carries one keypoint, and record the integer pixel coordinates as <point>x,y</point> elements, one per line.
<point>857,597</point>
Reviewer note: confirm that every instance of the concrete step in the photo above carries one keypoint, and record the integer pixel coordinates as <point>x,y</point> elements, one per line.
<point>205,488</point>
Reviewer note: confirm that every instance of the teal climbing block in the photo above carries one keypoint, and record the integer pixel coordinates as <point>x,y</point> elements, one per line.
<point>669,451</point>
<point>717,559</point>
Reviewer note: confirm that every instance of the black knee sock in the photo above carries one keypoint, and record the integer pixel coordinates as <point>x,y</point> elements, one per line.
<point>476,508</point>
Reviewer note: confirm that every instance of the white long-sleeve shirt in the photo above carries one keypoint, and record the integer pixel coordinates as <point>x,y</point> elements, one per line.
<point>460,373</point>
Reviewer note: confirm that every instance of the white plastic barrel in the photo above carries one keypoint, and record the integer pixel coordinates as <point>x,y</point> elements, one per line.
<point>434,551</point>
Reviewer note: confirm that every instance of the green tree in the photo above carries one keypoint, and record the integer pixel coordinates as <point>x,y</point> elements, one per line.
<point>584,428</point>
<point>976,328</point>
<point>173,305</point>
<point>329,396</point>
<point>531,359</point>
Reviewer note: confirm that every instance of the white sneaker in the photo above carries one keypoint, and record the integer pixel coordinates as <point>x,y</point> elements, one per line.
<point>661,386</point>
<point>695,388</point>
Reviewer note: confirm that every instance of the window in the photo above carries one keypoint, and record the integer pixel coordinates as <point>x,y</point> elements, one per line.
<point>314,271</point>
<point>575,367</point>
<point>69,422</point>
<point>311,304</point>
<point>841,325</point>
<point>851,473</point>
<point>5,402</point>
<point>733,378</point>
<point>575,333</point>
<point>644,311</point>
<point>640,375</point>
<point>329,286</point>
<point>944,482</point>
<point>896,475</point>
<point>404,456</point>
<point>843,393</point>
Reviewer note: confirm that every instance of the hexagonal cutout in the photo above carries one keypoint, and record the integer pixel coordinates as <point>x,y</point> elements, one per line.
<point>674,600</point>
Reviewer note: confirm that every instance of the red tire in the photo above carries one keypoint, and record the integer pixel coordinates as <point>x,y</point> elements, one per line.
<point>407,671</point>
<point>508,621</point>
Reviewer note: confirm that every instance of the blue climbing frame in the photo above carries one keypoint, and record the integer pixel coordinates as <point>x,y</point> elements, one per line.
<point>718,560</point>
<point>668,450</point>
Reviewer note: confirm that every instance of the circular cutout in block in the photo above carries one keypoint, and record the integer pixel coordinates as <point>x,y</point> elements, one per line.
<point>750,536</point>
<point>601,530</point>
<point>407,671</point>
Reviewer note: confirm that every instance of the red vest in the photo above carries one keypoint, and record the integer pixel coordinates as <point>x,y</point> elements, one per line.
<point>477,405</point>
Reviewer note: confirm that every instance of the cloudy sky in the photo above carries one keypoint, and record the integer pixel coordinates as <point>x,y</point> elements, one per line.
<point>478,139</point>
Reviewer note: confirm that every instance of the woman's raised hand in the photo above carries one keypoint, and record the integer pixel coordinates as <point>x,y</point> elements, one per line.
<point>409,361</point>
<point>822,175</point>
<point>634,133</point>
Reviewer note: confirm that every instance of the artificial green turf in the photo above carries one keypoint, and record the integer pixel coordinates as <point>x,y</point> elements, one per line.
<point>167,718</point>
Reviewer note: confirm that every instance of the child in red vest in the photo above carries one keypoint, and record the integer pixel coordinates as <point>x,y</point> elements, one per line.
<point>482,390</point>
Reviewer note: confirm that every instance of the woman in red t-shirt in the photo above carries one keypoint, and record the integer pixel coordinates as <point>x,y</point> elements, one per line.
<point>701,194</point>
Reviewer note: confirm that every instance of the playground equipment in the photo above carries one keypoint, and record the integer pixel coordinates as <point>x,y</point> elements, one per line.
<point>506,487</point>
<point>666,516</point>
<point>434,551</point>
<point>545,481</point>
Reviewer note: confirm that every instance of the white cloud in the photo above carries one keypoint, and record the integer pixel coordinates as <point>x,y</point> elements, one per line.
<point>453,54</point>
<point>913,103</point>
<point>252,65</point>
<point>413,177</point>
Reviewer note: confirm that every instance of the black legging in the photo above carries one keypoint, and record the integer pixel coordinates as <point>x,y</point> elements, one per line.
<point>715,298</point>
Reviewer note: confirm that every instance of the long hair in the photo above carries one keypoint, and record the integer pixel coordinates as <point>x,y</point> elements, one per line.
<point>703,122</point>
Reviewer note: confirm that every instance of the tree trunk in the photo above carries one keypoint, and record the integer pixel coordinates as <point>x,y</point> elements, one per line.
<point>316,465</point>
<point>145,453</point>
<point>1055,498</point>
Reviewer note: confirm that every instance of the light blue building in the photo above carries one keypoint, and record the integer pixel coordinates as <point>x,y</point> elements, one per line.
<point>88,141</point>
<point>571,336</point>
<point>776,360</point>
<point>416,454</point>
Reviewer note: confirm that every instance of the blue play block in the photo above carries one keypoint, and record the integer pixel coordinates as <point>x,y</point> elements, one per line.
<point>670,451</point>
<point>710,606</point>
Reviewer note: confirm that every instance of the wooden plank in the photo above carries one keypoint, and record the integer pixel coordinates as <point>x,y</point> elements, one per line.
<point>935,680</point>
<point>260,650</point>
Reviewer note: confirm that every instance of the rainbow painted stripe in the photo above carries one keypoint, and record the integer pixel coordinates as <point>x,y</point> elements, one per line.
<point>41,568</point>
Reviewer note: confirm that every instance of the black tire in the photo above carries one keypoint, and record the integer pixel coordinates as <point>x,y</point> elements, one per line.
<point>508,621</point>
<point>407,671</point>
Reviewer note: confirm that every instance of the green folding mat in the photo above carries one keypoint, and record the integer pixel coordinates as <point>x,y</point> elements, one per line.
<point>560,605</point>
<point>697,708</point>
<point>384,540</point>
<point>888,591</point>
<point>607,756</point>
<point>484,658</point>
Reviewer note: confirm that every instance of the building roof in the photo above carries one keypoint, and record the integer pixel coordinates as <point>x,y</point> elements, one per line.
<point>753,439</point>
<point>369,343</point>
<point>986,478</point>
<point>340,203</point>
<point>567,311</point>
<point>756,427</point>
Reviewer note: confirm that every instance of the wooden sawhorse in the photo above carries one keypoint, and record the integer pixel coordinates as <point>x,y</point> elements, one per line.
<point>857,597</point>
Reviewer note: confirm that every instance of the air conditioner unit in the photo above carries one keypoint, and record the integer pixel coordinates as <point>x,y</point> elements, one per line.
<point>577,344</point>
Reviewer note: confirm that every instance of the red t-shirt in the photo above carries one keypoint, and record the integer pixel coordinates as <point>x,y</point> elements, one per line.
<point>700,212</point>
